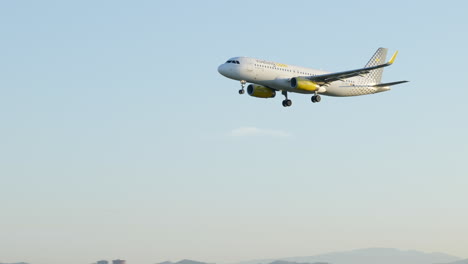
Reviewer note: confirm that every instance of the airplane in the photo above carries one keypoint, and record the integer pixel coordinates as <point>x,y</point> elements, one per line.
<point>268,77</point>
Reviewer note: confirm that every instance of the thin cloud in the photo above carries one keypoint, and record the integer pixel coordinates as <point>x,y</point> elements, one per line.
<point>255,131</point>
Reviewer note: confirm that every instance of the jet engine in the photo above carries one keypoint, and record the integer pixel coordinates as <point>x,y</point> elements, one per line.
<point>260,91</point>
<point>304,84</point>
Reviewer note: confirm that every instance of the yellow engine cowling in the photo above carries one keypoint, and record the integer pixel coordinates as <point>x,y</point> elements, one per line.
<point>260,91</point>
<point>304,84</point>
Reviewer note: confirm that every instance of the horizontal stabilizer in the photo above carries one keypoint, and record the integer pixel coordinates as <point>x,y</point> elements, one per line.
<point>388,84</point>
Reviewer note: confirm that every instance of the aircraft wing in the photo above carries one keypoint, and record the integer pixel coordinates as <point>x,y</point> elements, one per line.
<point>336,76</point>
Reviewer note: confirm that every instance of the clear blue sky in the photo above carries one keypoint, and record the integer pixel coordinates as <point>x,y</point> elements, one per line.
<point>119,139</point>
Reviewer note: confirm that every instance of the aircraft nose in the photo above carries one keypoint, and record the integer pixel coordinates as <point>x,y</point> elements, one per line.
<point>222,69</point>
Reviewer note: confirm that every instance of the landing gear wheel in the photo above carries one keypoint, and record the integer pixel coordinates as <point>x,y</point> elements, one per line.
<point>316,98</point>
<point>242,91</point>
<point>287,103</point>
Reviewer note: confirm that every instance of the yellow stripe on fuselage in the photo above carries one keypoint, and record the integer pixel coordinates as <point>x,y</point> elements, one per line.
<point>281,65</point>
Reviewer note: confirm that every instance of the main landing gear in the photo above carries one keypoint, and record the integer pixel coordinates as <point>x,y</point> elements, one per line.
<point>242,91</point>
<point>286,102</point>
<point>315,99</point>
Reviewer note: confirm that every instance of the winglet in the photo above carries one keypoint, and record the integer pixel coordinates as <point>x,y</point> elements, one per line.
<point>393,57</point>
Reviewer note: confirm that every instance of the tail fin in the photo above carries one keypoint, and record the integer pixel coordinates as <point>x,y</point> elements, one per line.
<point>378,58</point>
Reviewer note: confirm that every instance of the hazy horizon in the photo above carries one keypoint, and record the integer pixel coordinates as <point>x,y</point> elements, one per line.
<point>364,255</point>
<point>119,138</point>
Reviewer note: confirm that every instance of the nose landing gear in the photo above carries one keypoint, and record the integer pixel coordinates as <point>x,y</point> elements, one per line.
<point>242,91</point>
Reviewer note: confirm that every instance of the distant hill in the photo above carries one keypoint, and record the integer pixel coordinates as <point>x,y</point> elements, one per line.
<point>188,261</point>
<point>463,261</point>
<point>292,262</point>
<point>370,256</point>
<point>184,261</point>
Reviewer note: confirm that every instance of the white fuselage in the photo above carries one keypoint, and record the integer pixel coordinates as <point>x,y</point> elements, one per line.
<point>278,76</point>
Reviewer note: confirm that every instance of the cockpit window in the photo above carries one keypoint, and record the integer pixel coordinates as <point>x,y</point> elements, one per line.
<point>233,61</point>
